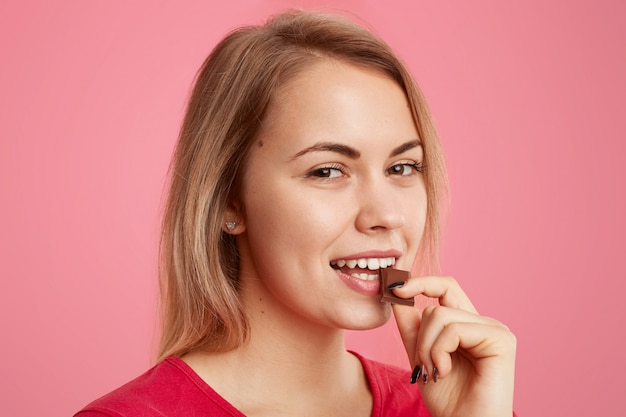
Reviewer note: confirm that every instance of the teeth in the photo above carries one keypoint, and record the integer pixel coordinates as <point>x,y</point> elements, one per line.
<point>373,263</point>
<point>370,263</point>
<point>365,277</point>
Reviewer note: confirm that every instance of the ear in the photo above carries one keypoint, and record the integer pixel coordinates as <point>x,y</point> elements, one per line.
<point>234,222</point>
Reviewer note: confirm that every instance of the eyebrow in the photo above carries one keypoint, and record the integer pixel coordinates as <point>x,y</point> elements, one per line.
<point>330,147</point>
<point>405,147</point>
<point>351,152</point>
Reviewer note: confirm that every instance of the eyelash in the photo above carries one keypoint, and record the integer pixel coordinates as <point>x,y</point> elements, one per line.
<point>325,171</point>
<point>319,172</point>
<point>415,166</point>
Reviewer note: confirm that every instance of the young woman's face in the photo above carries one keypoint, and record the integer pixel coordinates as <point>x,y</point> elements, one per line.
<point>333,180</point>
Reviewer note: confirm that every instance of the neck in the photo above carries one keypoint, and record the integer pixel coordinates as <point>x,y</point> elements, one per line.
<point>287,357</point>
<point>290,345</point>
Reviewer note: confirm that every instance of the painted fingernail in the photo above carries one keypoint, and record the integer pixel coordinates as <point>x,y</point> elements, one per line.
<point>398,284</point>
<point>417,371</point>
<point>435,375</point>
<point>425,377</point>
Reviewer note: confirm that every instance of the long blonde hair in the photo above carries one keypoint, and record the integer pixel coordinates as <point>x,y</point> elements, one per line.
<point>199,262</point>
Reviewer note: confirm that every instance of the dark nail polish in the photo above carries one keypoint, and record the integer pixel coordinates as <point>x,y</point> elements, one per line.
<point>398,284</point>
<point>425,377</point>
<point>417,371</point>
<point>435,375</point>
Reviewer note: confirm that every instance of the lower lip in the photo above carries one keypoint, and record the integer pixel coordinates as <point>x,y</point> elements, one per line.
<point>369,287</point>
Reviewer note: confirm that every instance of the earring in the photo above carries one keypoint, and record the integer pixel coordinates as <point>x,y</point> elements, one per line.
<point>231,226</point>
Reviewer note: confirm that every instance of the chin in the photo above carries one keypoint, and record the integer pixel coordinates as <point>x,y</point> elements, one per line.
<point>368,320</point>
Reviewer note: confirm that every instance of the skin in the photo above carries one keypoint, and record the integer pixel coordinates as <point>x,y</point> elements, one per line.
<point>316,205</point>
<point>305,203</point>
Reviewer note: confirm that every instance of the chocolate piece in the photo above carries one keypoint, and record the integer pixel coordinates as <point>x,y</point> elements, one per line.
<point>389,276</point>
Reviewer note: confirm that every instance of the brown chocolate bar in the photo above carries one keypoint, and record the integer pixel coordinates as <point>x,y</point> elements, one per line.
<point>387,277</point>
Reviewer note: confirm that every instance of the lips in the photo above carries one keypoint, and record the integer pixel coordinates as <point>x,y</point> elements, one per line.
<point>361,268</point>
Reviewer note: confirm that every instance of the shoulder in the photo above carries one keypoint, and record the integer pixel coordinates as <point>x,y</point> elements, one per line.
<point>392,392</point>
<point>138,396</point>
<point>170,388</point>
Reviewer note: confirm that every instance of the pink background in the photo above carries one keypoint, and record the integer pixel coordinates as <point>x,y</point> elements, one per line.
<point>528,97</point>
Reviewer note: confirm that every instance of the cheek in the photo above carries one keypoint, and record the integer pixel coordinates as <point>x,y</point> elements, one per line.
<point>279,217</point>
<point>416,218</point>
<point>420,214</point>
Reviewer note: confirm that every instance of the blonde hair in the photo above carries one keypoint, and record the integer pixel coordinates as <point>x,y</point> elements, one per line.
<point>199,261</point>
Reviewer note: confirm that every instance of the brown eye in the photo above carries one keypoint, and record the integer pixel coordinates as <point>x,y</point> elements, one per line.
<point>326,172</point>
<point>407,168</point>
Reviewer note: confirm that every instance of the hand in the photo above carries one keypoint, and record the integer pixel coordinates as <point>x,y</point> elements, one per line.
<point>474,356</point>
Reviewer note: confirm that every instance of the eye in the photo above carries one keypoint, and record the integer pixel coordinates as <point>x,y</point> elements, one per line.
<point>405,168</point>
<point>329,172</point>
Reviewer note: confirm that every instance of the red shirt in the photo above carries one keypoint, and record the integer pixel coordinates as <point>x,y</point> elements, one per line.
<point>173,389</point>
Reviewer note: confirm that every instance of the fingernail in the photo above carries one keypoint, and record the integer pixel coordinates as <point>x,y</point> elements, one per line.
<point>435,375</point>
<point>425,377</point>
<point>417,371</point>
<point>398,284</point>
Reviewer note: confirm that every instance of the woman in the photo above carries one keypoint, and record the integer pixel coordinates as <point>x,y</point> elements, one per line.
<point>307,162</point>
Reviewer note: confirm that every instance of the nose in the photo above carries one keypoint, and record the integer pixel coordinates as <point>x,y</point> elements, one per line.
<point>380,208</point>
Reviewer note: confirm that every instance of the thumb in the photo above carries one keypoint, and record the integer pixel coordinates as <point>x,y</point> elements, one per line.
<point>408,320</point>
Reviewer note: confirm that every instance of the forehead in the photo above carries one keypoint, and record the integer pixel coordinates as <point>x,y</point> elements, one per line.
<point>331,96</point>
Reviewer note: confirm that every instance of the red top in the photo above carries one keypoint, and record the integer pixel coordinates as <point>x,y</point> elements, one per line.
<point>172,389</point>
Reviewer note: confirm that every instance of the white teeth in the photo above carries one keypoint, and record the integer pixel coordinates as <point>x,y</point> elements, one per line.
<point>365,277</point>
<point>373,263</point>
<point>370,263</point>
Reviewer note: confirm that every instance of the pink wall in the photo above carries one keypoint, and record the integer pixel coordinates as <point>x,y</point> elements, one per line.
<point>528,97</point>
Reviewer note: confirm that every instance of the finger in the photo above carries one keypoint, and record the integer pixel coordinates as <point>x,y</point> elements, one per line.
<point>446,289</point>
<point>478,340</point>
<point>434,321</point>
<point>408,320</point>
